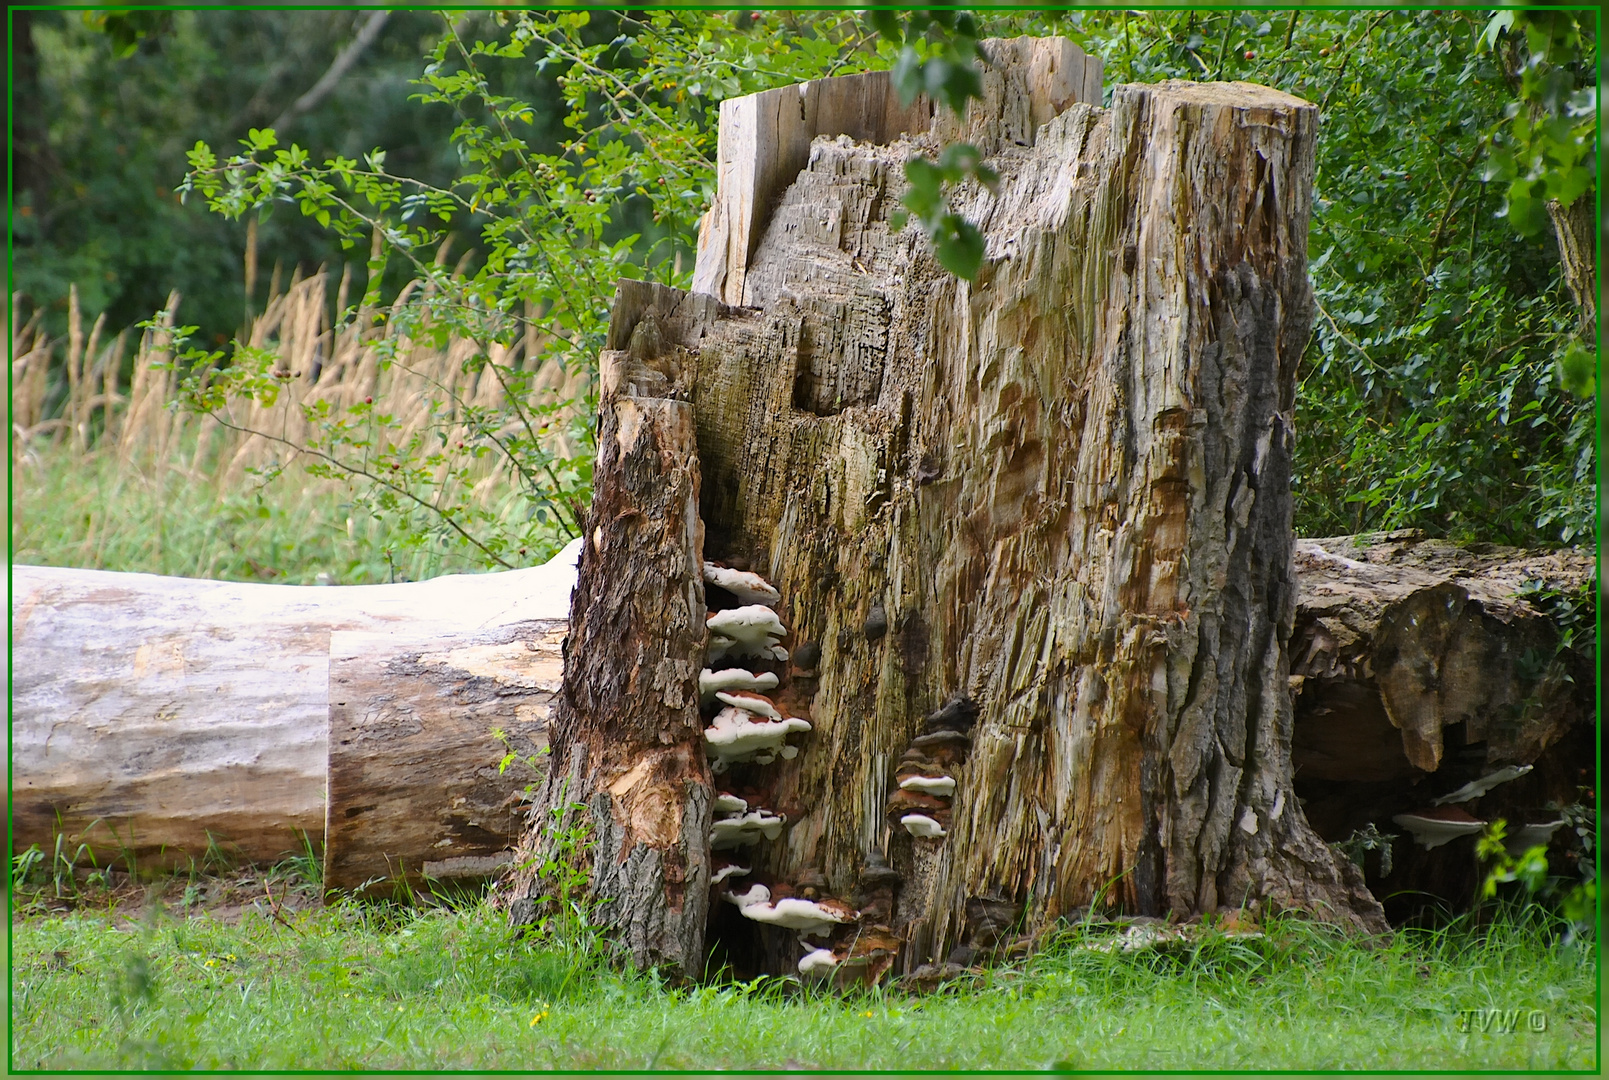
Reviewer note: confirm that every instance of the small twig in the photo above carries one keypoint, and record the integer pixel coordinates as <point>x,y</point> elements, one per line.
<point>273,906</point>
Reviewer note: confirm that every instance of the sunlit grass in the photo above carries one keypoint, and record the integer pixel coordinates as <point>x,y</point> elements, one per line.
<point>364,987</point>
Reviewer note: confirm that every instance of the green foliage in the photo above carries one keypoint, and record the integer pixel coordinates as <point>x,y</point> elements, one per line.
<point>1546,152</point>
<point>957,243</point>
<point>371,987</point>
<point>938,51</point>
<point>1429,396</point>
<point>107,104</point>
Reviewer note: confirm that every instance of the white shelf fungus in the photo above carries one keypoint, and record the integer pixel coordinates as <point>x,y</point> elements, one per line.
<point>922,826</point>
<point>1433,828</point>
<point>758,704</point>
<point>1476,788</point>
<point>745,829</point>
<point>808,917</point>
<point>745,631</point>
<point>711,683</point>
<point>737,735</point>
<point>727,871</point>
<point>729,804</point>
<point>747,587</point>
<point>943,786</point>
<point>818,963</point>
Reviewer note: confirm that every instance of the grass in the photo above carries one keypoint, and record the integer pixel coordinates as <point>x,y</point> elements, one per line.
<point>111,473</point>
<point>376,987</point>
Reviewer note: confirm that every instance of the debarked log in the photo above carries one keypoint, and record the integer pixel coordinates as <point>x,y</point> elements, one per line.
<point>179,721</point>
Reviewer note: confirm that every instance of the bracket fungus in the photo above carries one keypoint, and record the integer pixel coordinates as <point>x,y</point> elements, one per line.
<point>736,735</point>
<point>1435,826</point>
<point>746,585</point>
<point>1476,788</point>
<point>922,827</point>
<point>727,803</point>
<point>711,683</point>
<point>726,868</point>
<point>1525,837</point>
<point>943,786</point>
<point>744,829</point>
<point>812,918</point>
<point>757,704</point>
<point>752,630</point>
<point>818,963</point>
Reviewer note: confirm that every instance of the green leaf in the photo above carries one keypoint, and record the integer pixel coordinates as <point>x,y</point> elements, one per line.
<point>1578,370</point>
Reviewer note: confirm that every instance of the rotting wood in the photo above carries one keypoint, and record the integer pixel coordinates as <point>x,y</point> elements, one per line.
<point>1418,668</point>
<point>627,738</point>
<point>418,787</point>
<point>178,720</point>
<point>1060,492</point>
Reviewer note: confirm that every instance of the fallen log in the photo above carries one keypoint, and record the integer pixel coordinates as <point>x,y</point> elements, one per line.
<point>1423,670</point>
<point>175,721</point>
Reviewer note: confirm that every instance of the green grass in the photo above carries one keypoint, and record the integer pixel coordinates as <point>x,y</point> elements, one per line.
<point>98,512</point>
<point>361,987</point>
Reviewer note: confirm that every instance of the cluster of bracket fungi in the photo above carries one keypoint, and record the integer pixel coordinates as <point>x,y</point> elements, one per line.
<point>745,726</point>
<point>926,771</point>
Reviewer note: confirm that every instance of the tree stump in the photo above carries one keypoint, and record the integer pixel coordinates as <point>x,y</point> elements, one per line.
<point>1030,534</point>
<point>627,738</point>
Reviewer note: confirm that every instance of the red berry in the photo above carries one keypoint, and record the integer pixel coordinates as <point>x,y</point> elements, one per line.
<point>368,401</point>
<point>1250,55</point>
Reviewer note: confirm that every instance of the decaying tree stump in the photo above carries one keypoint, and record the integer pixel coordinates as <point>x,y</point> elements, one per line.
<point>1031,536</point>
<point>627,738</point>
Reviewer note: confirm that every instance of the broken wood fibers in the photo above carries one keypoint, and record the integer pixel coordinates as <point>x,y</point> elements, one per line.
<point>1065,485</point>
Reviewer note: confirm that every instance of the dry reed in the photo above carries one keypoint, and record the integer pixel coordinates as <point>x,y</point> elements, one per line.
<point>77,404</point>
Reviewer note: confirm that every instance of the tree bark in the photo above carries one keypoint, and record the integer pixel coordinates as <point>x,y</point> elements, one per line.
<point>169,719</point>
<point>1578,262</point>
<point>628,750</point>
<point>1055,499</point>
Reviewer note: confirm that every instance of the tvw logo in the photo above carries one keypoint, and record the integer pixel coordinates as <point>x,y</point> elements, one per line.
<point>1502,1021</point>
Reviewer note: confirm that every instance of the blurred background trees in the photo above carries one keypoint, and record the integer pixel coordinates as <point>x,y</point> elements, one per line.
<point>1445,387</point>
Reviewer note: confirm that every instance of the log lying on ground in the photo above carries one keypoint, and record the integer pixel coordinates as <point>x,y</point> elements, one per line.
<point>433,740</point>
<point>174,719</point>
<point>1419,668</point>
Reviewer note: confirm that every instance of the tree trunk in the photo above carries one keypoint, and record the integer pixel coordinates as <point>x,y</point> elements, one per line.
<point>628,745</point>
<point>1418,669</point>
<point>1047,510</point>
<point>1573,228</point>
<point>171,719</point>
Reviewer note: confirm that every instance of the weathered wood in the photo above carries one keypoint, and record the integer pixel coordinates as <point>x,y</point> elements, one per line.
<point>167,716</point>
<point>628,744</point>
<point>417,785</point>
<point>1419,668</point>
<point>1048,510</point>
<point>764,139</point>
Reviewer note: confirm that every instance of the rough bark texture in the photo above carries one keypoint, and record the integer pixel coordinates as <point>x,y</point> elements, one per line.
<point>166,716</point>
<point>627,738</point>
<point>1573,228</point>
<point>417,785</point>
<point>1418,667</point>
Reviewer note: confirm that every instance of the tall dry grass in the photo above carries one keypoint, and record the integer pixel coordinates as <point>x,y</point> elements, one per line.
<point>83,409</point>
